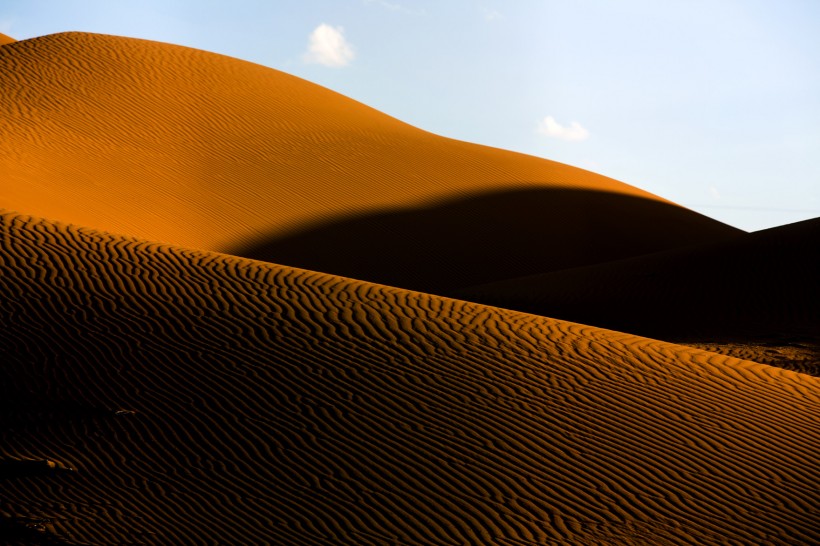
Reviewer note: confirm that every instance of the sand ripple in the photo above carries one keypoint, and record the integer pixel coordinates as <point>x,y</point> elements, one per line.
<point>200,150</point>
<point>202,398</point>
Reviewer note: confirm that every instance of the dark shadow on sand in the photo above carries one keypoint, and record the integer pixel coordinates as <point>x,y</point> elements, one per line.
<point>487,237</point>
<point>758,288</point>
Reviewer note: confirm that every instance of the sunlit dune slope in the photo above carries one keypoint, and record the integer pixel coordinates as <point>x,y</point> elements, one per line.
<point>760,287</point>
<point>203,398</point>
<point>179,145</point>
<point>5,39</point>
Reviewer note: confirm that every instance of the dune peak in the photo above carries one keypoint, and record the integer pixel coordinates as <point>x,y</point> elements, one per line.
<point>224,155</point>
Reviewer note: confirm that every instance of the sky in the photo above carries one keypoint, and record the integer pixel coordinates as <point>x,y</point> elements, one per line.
<point>713,104</point>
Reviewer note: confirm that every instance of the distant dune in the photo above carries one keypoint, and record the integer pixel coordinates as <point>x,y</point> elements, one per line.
<point>182,146</point>
<point>6,39</point>
<point>189,397</point>
<point>756,295</point>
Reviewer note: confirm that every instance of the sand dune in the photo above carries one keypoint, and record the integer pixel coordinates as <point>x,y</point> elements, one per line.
<point>756,295</point>
<point>455,244</point>
<point>191,397</point>
<point>178,145</point>
<point>6,39</point>
<point>157,394</point>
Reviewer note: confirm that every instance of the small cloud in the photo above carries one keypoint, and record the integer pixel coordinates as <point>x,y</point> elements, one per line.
<point>548,126</point>
<point>714,191</point>
<point>490,14</point>
<point>327,46</point>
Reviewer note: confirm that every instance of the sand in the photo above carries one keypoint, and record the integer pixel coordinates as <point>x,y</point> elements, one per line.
<point>164,381</point>
<point>6,39</point>
<point>182,146</point>
<point>202,398</point>
<point>755,296</point>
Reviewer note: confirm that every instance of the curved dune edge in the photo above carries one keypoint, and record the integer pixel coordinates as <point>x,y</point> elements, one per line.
<point>173,144</point>
<point>755,296</point>
<point>6,39</point>
<point>499,235</point>
<point>204,398</point>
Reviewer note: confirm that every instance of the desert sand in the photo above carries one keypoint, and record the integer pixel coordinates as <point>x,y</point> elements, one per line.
<point>206,398</point>
<point>756,295</point>
<point>181,146</point>
<point>173,372</point>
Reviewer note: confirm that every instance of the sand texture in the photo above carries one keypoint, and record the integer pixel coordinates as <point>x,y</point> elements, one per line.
<point>756,295</point>
<point>190,397</point>
<point>164,381</point>
<point>182,146</point>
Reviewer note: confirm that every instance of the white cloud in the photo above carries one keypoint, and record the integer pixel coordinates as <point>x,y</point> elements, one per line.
<point>490,14</point>
<point>327,46</point>
<point>548,126</point>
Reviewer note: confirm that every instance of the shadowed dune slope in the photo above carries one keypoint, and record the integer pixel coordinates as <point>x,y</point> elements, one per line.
<point>205,398</point>
<point>481,238</point>
<point>178,145</point>
<point>6,39</point>
<point>758,288</point>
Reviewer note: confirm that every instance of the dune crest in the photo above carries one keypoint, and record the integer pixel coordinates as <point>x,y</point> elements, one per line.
<point>183,146</point>
<point>201,398</point>
<point>6,39</point>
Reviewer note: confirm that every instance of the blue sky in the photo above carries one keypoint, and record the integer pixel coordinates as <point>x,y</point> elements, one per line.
<point>712,104</point>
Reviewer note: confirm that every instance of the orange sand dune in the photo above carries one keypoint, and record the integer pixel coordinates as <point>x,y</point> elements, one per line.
<point>756,295</point>
<point>186,397</point>
<point>183,146</point>
<point>6,39</point>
